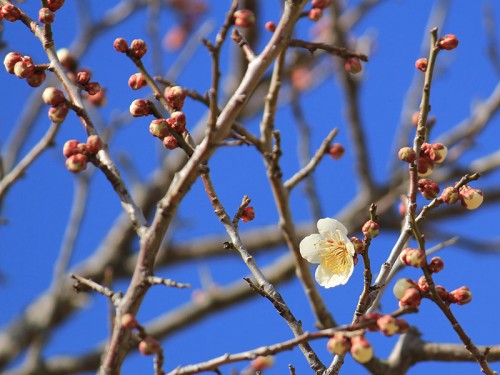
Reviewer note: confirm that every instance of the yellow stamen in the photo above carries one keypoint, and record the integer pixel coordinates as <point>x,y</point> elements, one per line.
<point>334,254</point>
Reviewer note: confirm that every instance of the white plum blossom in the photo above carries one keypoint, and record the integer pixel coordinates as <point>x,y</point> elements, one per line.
<point>332,250</point>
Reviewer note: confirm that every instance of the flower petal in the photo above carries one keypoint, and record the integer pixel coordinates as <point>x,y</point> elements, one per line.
<point>331,225</point>
<point>327,279</point>
<point>309,249</point>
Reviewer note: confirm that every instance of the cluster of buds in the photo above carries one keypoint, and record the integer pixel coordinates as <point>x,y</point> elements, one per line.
<point>163,129</point>
<point>148,345</point>
<point>77,154</point>
<point>96,95</point>
<point>359,347</point>
<point>336,151</point>
<point>59,105</point>
<point>248,214</point>
<point>428,188</point>
<point>244,18</point>
<point>24,68</point>
<point>137,49</point>
<point>430,155</point>
<point>370,229</point>
<point>10,13</point>
<point>316,11</point>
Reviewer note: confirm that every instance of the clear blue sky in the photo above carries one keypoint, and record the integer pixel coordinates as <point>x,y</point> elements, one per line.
<point>38,206</point>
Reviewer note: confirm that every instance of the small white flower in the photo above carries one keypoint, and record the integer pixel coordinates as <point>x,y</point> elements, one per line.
<point>332,250</point>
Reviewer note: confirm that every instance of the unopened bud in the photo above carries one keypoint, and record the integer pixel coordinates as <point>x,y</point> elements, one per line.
<point>138,48</point>
<point>10,60</point>
<point>94,144</point>
<point>359,246</point>
<point>435,265</point>
<point>336,151</point>
<point>83,77</point>
<point>387,325</point>
<point>370,229</point>
<point>159,128</point>
<point>67,59</point>
<point>76,163</point>
<point>71,148</point>
<point>262,362</point>
<point>471,198</point>
<point>170,142</point>
<point>270,26</point>
<point>53,96</point>
<point>353,65</point>
<point>440,152</point>
<point>36,79</point>
<point>411,299</point>
<point>128,321</point>
<point>93,88</point>
<point>315,14</point>
<point>136,81</point>
<point>421,64</point>
<point>361,349</point>
<point>24,68</point>
<point>46,16</point>
<point>59,112</point>
<point>54,5</point>
<point>248,214</point>
<point>120,45</point>
<point>244,18</point>
<point>413,257</point>
<point>428,188</point>
<point>175,96</point>
<point>10,12</point>
<point>442,292</point>
<point>321,4</point>
<point>177,121</point>
<point>149,346</point>
<point>338,344</point>
<point>407,154</point>
<point>449,195</point>
<point>460,296</point>
<point>448,42</point>
<point>140,107</point>
<point>422,284</point>
<point>402,285</point>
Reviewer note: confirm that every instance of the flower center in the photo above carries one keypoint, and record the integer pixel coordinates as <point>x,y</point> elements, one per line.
<point>334,254</point>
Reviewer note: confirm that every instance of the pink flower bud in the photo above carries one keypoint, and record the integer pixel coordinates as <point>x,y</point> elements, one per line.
<point>128,321</point>
<point>353,65</point>
<point>336,151</point>
<point>440,152</point>
<point>315,14</point>
<point>248,214</point>
<point>93,88</point>
<point>370,229</point>
<point>361,349</point>
<point>94,144</point>
<point>175,96</point>
<point>403,326</point>
<point>470,198</point>
<point>46,16</point>
<point>435,265</point>
<point>424,167</point>
<point>24,68</point>
<point>37,78</point>
<point>422,284</point>
<point>402,285</point>
<point>76,163</point>
<point>372,318</point>
<point>442,292</point>
<point>138,48</point>
<point>448,42</point>
<point>177,121</point>
<point>244,18</point>
<point>413,257</point>
<point>338,344</point>
<point>159,128</point>
<point>71,148</point>
<point>53,96</point>
<point>120,45</point>
<point>149,346</point>
<point>55,5</point>
<point>59,112</point>
<point>421,64</point>
<point>136,81</point>
<point>83,77</point>
<point>140,107</point>
<point>411,299</point>
<point>321,4</point>
<point>170,142</point>
<point>428,188</point>
<point>449,195</point>
<point>359,246</point>
<point>461,296</point>
<point>10,60</point>
<point>99,99</point>
<point>407,154</point>
<point>388,325</point>
<point>10,12</point>
<point>262,362</point>
<point>270,26</point>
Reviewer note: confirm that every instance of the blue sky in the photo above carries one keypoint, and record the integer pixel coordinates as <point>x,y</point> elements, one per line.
<point>38,206</point>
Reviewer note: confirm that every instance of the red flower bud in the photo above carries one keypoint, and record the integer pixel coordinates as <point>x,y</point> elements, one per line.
<point>421,64</point>
<point>244,18</point>
<point>54,5</point>
<point>83,77</point>
<point>370,229</point>
<point>140,107</point>
<point>120,45</point>
<point>93,88</point>
<point>435,265</point>
<point>138,48</point>
<point>248,214</point>
<point>170,142</point>
<point>76,163</point>
<point>46,16</point>
<point>315,14</point>
<point>336,151</point>
<point>270,26</point>
<point>175,96</point>
<point>177,121</point>
<point>136,81</point>
<point>353,65</point>
<point>448,42</point>
<point>10,12</point>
